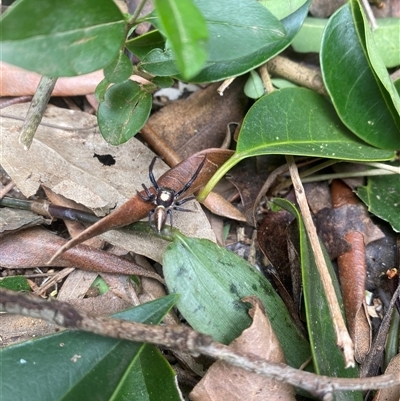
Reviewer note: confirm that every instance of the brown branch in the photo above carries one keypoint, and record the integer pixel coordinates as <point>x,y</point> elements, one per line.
<point>186,339</point>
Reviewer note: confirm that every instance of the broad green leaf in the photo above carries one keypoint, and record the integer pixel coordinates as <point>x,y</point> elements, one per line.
<point>386,37</point>
<point>296,121</point>
<point>254,87</point>
<point>15,283</point>
<point>119,70</point>
<point>62,38</point>
<point>79,365</point>
<point>357,80</point>
<point>327,357</point>
<point>243,35</point>
<point>186,30</point>
<point>212,281</point>
<point>382,196</point>
<point>124,111</point>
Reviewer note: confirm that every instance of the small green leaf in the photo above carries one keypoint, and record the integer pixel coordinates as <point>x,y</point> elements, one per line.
<point>382,196</point>
<point>212,281</point>
<point>143,44</point>
<point>119,70</point>
<point>357,80</point>
<point>97,367</point>
<point>282,8</point>
<point>163,82</point>
<point>186,30</point>
<point>124,111</point>
<point>15,283</point>
<point>327,357</point>
<point>309,38</point>
<point>387,44</point>
<point>254,87</point>
<point>62,38</point>
<point>101,89</point>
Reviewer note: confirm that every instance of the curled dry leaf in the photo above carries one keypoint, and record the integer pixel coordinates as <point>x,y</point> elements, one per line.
<point>352,274</point>
<point>136,208</point>
<point>225,382</point>
<point>34,247</point>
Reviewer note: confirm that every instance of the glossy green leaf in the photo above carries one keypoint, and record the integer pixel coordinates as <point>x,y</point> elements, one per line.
<point>119,70</point>
<point>357,80</point>
<point>80,366</point>
<point>15,283</point>
<point>387,44</point>
<point>298,121</point>
<point>143,44</point>
<point>235,46</point>
<point>309,37</point>
<point>386,37</point>
<point>62,38</point>
<point>282,8</point>
<point>101,89</point>
<point>150,379</point>
<point>124,111</point>
<point>254,88</point>
<point>295,121</point>
<point>186,30</point>
<point>212,281</point>
<point>327,357</point>
<point>382,196</point>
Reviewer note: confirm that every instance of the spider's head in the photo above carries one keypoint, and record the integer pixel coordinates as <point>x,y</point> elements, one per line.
<point>165,197</point>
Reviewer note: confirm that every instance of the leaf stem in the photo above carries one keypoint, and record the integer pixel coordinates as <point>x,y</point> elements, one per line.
<point>135,15</point>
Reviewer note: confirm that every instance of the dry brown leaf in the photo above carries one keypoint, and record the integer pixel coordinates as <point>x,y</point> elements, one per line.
<point>199,122</point>
<point>225,382</point>
<point>63,161</point>
<point>391,393</point>
<point>34,247</point>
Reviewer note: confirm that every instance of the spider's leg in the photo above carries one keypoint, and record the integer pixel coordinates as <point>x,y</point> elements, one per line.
<point>169,212</point>
<point>182,201</point>
<point>150,216</point>
<point>190,182</point>
<point>182,209</point>
<point>150,197</point>
<point>151,175</point>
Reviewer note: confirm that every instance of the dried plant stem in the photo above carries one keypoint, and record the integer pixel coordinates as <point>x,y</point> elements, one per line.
<point>185,339</point>
<point>342,335</point>
<point>36,110</point>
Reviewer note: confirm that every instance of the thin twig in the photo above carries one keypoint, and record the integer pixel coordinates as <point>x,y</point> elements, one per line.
<point>342,335</point>
<point>36,110</point>
<point>185,339</point>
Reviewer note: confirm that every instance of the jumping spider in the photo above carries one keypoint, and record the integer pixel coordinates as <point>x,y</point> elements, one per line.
<point>166,199</point>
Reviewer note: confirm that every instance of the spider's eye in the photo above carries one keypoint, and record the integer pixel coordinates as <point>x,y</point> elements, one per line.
<point>165,197</point>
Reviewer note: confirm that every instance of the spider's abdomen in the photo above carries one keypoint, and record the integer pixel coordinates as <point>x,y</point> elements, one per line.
<point>165,197</point>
